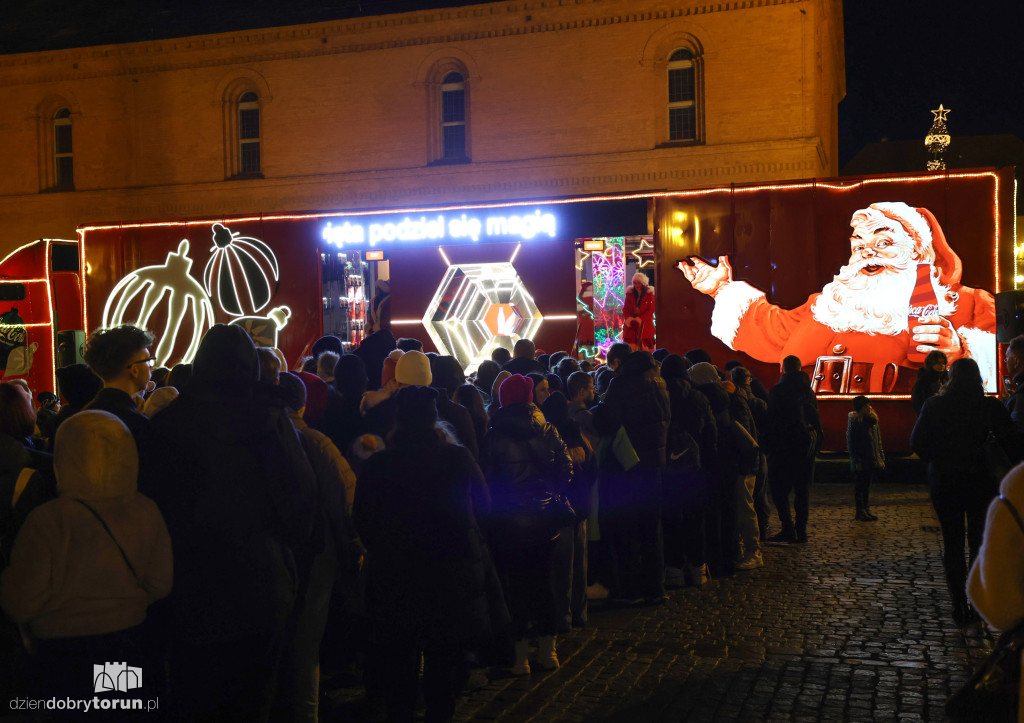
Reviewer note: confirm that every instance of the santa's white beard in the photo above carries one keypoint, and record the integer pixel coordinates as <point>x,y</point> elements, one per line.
<point>875,304</point>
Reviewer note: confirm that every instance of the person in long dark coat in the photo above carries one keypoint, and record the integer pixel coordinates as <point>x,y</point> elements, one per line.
<point>426,574</point>
<point>950,437</point>
<point>229,474</point>
<point>528,470</point>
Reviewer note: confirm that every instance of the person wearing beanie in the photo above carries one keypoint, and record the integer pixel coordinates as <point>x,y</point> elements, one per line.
<point>409,344</point>
<point>327,343</point>
<point>867,458</point>
<point>413,369</point>
<point>426,564</point>
<point>515,389</point>
<point>529,472</point>
<point>638,314</point>
<point>228,472</point>
<point>333,549</point>
<point>87,565</point>
<point>378,406</point>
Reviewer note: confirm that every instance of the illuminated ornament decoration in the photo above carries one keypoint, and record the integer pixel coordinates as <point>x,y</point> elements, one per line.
<point>182,291</point>
<point>609,293</point>
<point>241,268</point>
<point>478,307</point>
<point>264,329</point>
<point>644,254</point>
<point>937,140</point>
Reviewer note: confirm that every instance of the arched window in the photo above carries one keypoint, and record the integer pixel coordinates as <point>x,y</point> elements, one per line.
<point>249,134</point>
<point>453,117</point>
<point>63,159</point>
<point>682,97</point>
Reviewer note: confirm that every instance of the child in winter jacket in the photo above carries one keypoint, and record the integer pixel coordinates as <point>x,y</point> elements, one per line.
<point>864,442</point>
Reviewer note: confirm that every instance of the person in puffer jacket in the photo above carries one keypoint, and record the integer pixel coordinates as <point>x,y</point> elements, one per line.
<point>87,565</point>
<point>528,470</point>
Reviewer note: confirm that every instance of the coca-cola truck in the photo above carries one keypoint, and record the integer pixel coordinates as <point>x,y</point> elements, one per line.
<point>823,269</point>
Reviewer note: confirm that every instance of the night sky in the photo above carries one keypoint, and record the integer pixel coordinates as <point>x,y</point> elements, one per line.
<point>903,57</point>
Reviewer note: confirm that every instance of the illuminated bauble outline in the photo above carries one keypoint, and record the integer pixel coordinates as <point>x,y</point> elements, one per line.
<point>232,250</point>
<point>157,281</point>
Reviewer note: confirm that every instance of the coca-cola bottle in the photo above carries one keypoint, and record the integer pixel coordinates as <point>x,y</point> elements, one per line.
<point>923,302</point>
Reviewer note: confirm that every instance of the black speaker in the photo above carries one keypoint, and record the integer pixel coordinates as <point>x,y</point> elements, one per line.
<point>1009,315</point>
<point>70,347</point>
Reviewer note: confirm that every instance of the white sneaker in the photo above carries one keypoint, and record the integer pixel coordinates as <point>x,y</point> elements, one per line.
<point>522,666</point>
<point>751,563</point>
<point>546,657</point>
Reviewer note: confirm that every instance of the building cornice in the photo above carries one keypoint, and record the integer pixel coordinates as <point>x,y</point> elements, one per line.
<point>328,38</point>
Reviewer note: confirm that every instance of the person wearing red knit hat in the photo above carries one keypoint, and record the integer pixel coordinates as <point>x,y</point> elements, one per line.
<point>528,470</point>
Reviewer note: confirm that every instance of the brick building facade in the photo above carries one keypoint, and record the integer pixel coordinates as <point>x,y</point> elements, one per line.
<point>495,101</point>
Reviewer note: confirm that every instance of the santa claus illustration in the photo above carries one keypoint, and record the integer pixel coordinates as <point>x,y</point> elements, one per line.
<point>856,335</point>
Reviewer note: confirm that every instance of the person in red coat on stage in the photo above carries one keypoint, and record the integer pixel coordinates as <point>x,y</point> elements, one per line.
<point>638,315</point>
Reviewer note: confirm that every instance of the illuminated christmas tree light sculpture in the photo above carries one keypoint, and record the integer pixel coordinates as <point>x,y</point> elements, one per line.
<point>937,140</point>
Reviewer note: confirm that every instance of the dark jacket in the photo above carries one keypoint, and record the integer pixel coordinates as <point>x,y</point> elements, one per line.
<point>638,400</point>
<point>122,406</point>
<point>233,483</point>
<point>864,443</point>
<point>950,437</point>
<point>525,462</point>
<point>523,365</point>
<point>793,425</point>
<point>426,561</point>
<point>928,384</point>
<point>1015,404</point>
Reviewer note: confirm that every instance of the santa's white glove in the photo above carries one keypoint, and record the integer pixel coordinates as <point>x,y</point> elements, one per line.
<point>704,277</point>
<point>936,333</point>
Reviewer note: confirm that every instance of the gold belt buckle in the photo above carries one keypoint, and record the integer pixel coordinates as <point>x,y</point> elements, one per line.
<point>843,376</point>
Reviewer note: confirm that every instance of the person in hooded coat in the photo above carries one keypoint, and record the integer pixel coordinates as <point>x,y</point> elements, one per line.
<point>426,561</point>
<point>229,473</point>
<point>528,470</point>
<point>86,565</point>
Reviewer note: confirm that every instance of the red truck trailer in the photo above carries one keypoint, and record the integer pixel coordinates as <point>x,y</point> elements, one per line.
<point>748,272</point>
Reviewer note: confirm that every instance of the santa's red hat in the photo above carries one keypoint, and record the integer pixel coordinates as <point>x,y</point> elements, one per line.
<point>920,224</point>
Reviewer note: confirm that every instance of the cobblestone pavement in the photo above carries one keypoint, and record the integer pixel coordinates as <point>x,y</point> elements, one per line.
<point>853,626</point>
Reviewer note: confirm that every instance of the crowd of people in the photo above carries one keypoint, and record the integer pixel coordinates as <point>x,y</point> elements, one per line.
<point>231,523</point>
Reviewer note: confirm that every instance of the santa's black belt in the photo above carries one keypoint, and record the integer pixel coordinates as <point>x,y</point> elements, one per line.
<point>843,375</point>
